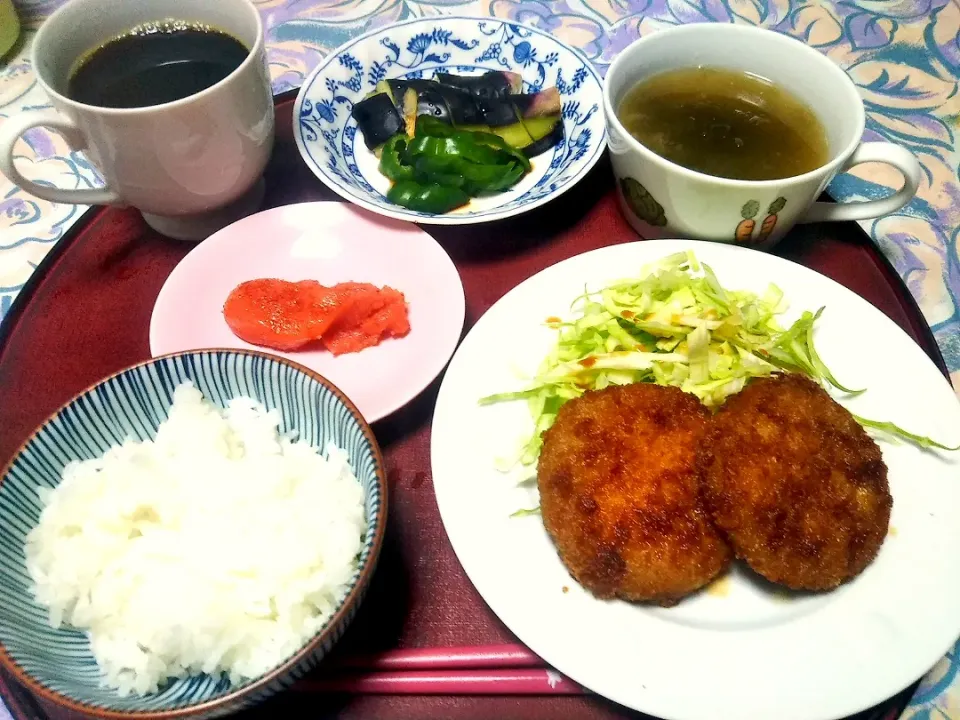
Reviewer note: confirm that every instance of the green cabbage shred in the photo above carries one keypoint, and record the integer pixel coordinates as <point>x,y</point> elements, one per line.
<point>676,326</point>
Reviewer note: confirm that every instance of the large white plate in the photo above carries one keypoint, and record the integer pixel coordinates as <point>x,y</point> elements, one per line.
<point>743,653</point>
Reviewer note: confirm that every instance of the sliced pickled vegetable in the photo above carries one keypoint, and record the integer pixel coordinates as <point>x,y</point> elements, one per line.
<point>380,87</point>
<point>542,144</point>
<point>474,179</point>
<point>469,135</point>
<point>541,127</point>
<point>545,102</point>
<point>399,87</point>
<point>439,155</point>
<point>523,121</point>
<point>384,87</point>
<point>391,162</point>
<point>475,128</point>
<point>495,141</point>
<point>428,125</point>
<point>463,107</point>
<point>430,198</point>
<point>492,84</point>
<point>458,145</point>
<point>409,111</point>
<point>496,112</point>
<point>431,104</point>
<point>480,179</point>
<point>429,169</point>
<point>378,119</point>
<point>515,135</point>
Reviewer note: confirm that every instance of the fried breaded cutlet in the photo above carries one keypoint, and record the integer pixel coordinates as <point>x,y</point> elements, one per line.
<point>619,494</point>
<point>795,484</point>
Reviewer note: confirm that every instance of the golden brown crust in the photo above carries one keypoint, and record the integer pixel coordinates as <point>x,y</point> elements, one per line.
<point>619,494</point>
<point>795,484</point>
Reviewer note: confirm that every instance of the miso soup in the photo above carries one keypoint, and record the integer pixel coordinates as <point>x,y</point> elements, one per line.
<point>725,123</point>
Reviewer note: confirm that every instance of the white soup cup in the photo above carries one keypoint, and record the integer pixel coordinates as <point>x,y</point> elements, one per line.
<point>660,197</point>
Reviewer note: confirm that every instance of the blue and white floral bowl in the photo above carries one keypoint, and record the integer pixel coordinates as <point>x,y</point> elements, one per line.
<point>58,664</point>
<point>333,149</point>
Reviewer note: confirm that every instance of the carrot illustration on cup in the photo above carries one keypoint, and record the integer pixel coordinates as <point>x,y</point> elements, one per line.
<point>745,227</point>
<point>770,221</point>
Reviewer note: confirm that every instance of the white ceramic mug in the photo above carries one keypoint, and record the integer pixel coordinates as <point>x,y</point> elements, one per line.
<point>190,166</point>
<point>659,197</point>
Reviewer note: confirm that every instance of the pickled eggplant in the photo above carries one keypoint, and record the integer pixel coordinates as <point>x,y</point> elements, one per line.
<point>378,119</point>
<point>488,103</point>
<point>449,105</point>
<point>431,103</point>
<point>464,107</point>
<point>545,132</point>
<point>541,127</point>
<point>381,87</point>
<point>399,87</point>
<point>497,113</point>
<point>384,87</point>
<point>515,135</point>
<point>493,84</point>
<point>546,102</point>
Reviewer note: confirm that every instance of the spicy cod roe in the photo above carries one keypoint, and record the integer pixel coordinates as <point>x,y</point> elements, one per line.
<point>345,318</point>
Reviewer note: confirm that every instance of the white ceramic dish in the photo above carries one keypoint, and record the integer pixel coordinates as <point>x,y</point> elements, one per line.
<point>330,242</point>
<point>744,653</point>
<point>333,148</point>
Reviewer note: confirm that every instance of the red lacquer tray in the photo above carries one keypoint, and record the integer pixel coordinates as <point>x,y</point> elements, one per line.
<point>85,314</point>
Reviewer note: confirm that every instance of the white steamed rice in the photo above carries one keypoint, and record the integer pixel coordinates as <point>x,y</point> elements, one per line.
<point>219,547</point>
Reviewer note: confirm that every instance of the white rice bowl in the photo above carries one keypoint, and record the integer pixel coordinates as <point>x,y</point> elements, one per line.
<point>219,547</point>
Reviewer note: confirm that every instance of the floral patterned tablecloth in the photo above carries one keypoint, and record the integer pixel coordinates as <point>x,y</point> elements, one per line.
<point>904,55</point>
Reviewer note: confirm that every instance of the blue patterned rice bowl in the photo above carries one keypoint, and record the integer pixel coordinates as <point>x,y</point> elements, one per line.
<point>58,664</point>
<point>333,148</point>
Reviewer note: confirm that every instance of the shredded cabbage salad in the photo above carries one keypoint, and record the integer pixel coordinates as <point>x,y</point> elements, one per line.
<point>675,326</point>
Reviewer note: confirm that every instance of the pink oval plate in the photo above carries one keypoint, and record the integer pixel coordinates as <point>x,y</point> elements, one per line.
<point>329,242</point>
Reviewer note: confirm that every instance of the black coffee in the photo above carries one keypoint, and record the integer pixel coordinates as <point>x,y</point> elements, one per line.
<point>155,63</point>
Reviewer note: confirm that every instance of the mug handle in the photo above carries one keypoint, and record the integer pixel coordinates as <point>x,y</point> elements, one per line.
<point>889,154</point>
<point>11,131</point>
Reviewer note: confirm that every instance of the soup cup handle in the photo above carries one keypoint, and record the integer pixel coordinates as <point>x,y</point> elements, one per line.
<point>13,129</point>
<point>888,154</point>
